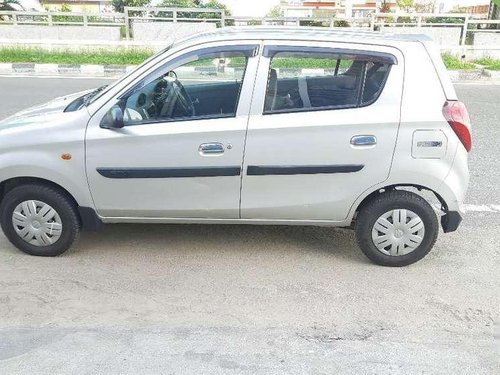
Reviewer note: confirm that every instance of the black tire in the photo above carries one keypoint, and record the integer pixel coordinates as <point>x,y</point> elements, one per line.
<point>390,200</point>
<point>54,197</point>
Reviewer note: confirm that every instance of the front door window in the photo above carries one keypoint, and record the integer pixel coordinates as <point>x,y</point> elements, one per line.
<point>208,86</point>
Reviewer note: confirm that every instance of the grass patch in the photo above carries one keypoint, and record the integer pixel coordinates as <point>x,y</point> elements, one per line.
<point>489,63</point>
<point>453,63</point>
<point>237,62</point>
<point>137,56</point>
<point>102,57</point>
<point>303,63</point>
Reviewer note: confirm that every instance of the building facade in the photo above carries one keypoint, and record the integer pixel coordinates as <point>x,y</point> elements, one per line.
<point>362,8</point>
<point>339,8</point>
<point>79,6</point>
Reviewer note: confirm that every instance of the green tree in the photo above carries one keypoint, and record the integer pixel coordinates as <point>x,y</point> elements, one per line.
<point>424,7</point>
<point>275,12</point>
<point>214,4</point>
<point>385,6</point>
<point>65,8</point>
<point>406,5</point>
<point>179,3</point>
<point>211,4</point>
<point>495,11</point>
<point>8,4</point>
<point>118,5</point>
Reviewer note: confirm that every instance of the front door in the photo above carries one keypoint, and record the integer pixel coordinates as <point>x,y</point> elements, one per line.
<point>324,130</point>
<point>180,152</point>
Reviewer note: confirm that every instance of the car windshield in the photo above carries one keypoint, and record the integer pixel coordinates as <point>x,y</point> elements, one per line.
<point>97,94</point>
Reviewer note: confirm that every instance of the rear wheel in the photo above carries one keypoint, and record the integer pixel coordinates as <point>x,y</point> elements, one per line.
<point>396,228</point>
<point>39,220</point>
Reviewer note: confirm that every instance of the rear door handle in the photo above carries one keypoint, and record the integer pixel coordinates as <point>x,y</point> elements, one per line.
<point>364,140</point>
<point>213,148</point>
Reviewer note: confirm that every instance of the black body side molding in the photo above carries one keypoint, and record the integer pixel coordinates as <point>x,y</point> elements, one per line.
<point>169,172</point>
<point>283,170</point>
<point>90,220</point>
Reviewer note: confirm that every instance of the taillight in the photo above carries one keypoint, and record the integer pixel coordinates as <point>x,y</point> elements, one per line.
<point>457,116</point>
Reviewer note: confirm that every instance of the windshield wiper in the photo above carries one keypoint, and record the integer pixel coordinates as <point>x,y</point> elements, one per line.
<point>91,95</point>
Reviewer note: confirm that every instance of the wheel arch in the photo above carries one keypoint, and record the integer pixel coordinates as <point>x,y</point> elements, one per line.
<point>87,215</point>
<point>11,183</point>
<point>363,200</point>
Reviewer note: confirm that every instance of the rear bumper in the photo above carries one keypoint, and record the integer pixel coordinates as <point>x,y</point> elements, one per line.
<point>451,221</point>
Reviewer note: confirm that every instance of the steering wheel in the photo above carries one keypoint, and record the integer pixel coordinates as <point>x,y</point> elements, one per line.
<point>184,99</point>
<point>170,96</point>
<point>145,105</point>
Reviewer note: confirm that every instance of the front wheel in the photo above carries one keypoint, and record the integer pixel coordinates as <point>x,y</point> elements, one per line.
<point>39,220</point>
<point>397,228</point>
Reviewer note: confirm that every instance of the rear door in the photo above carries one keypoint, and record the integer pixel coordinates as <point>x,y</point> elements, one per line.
<point>322,129</point>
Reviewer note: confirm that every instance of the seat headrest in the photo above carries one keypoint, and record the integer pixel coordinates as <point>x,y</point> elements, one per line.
<point>272,83</point>
<point>273,74</point>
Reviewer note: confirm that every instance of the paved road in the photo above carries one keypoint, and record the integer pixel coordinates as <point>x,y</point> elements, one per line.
<point>197,299</point>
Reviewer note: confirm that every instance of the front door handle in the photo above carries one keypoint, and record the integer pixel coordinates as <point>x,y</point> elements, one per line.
<point>214,148</point>
<point>364,140</point>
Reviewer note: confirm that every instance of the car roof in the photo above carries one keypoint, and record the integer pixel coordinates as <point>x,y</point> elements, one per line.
<point>301,33</point>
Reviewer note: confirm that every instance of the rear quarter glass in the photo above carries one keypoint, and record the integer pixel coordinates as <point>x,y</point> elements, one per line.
<point>444,77</point>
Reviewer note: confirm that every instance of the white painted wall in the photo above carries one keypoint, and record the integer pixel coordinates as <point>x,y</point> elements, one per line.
<point>165,31</point>
<point>50,33</point>
<point>444,36</point>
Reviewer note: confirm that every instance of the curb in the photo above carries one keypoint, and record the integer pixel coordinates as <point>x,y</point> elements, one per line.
<point>493,74</point>
<point>97,71</point>
<point>70,70</point>
<point>83,70</point>
<point>466,75</point>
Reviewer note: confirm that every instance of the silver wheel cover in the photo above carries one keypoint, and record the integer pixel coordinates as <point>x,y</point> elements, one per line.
<point>37,223</point>
<point>398,232</point>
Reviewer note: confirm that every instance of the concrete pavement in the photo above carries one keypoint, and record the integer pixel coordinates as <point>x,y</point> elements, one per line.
<point>189,299</point>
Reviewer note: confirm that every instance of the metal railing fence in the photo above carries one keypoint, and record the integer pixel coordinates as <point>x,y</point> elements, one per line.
<point>61,18</point>
<point>469,24</point>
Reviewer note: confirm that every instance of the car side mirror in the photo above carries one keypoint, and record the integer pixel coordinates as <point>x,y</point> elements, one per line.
<point>113,118</point>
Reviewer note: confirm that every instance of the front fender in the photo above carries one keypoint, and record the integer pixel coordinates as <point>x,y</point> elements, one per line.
<point>75,185</point>
<point>34,149</point>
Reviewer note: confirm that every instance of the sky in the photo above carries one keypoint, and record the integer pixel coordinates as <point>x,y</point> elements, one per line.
<point>256,8</point>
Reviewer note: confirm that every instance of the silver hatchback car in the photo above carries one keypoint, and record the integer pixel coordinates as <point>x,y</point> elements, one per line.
<point>292,126</point>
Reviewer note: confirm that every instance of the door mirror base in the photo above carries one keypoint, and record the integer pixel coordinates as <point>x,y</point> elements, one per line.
<point>113,118</point>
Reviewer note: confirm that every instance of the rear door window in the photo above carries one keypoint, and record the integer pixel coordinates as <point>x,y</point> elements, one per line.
<point>318,79</point>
